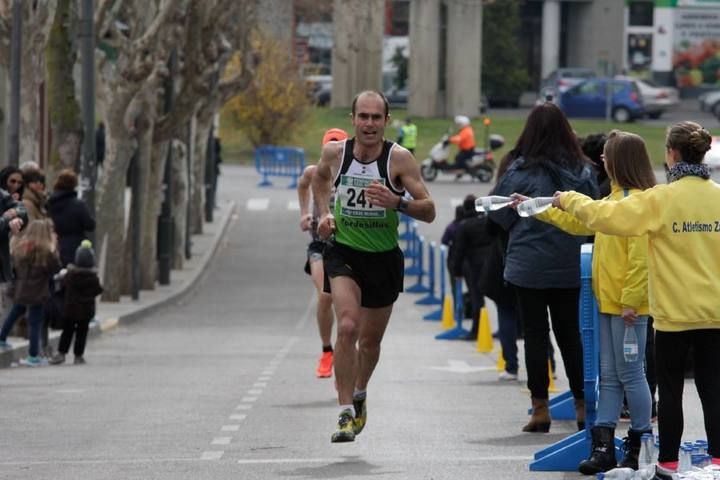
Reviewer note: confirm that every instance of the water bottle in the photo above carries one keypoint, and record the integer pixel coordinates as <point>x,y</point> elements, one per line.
<point>493,202</point>
<point>685,460</point>
<point>630,344</point>
<point>647,447</point>
<point>617,474</point>
<point>533,206</point>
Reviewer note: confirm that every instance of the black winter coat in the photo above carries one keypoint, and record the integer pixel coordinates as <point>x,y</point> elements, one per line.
<point>72,220</point>
<point>471,245</point>
<point>492,282</point>
<point>82,285</point>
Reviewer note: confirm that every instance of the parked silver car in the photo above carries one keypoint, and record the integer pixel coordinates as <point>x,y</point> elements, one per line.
<point>710,102</point>
<point>656,99</point>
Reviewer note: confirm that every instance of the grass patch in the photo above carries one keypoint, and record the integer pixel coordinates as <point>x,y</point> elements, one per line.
<point>237,149</point>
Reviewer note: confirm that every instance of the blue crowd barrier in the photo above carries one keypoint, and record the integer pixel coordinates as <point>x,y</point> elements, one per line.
<point>418,287</point>
<point>457,332</point>
<point>406,220</point>
<point>437,314</point>
<point>430,298</point>
<point>412,252</point>
<point>272,161</point>
<point>566,455</point>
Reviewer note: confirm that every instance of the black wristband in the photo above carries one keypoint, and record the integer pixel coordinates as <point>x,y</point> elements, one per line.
<point>402,205</point>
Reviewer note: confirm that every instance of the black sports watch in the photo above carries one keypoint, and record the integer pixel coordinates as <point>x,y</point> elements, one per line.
<point>402,205</point>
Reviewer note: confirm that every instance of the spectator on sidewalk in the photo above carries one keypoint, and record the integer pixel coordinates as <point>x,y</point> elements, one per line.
<point>448,239</point>
<point>542,261</point>
<point>35,257</point>
<point>71,216</point>
<point>11,180</point>
<point>34,196</point>
<point>81,285</point>
<point>472,246</point>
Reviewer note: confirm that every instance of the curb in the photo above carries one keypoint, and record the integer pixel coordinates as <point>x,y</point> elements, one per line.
<point>137,311</point>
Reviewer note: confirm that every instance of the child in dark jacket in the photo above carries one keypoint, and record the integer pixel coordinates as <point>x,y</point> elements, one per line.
<point>82,285</point>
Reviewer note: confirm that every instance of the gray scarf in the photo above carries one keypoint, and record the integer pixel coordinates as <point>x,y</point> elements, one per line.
<point>684,169</point>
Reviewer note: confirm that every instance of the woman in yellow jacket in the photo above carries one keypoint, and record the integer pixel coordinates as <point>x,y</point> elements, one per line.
<point>619,279</point>
<point>682,222</point>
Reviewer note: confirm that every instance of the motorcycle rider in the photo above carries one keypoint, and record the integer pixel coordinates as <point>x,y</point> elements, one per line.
<point>465,140</point>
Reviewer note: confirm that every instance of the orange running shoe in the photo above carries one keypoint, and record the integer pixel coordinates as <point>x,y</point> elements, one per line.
<point>325,365</point>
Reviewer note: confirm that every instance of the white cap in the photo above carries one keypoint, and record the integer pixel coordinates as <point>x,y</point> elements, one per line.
<point>462,120</point>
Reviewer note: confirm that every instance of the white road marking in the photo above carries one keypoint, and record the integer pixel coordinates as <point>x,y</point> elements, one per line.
<point>239,416</point>
<point>268,372</point>
<point>461,366</point>
<point>248,399</point>
<point>221,441</point>
<point>264,378</point>
<point>70,390</point>
<point>258,204</point>
<point>255,391</point>
<point>260,384</point>
<point>230,428</point>
<point>341,460</point>
<point>243,406</point>
<point>212,455</point>
<point>293,205</point>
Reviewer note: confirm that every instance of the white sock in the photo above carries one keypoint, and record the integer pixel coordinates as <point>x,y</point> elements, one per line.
<point>347,407</point>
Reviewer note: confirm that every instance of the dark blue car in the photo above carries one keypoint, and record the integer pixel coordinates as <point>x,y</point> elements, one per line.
<point>589,99</point>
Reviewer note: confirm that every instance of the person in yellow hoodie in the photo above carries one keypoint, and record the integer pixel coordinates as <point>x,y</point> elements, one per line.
<point>619,279</point>
<point>682,223</point>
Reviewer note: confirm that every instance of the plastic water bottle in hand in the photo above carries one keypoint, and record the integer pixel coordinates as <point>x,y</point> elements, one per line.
<point>533,206</point>
<point>631,349</point>
<point>493,202</point>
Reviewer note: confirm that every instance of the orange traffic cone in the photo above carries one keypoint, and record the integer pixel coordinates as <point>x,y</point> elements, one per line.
<point>448,319</point>
<point>484,338</point>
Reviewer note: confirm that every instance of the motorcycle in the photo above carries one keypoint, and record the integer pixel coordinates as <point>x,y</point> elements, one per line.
<point>480,166</point>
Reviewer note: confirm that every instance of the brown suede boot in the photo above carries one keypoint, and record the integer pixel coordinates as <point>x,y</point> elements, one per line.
<point>580,413</point>
<point>540,419</point>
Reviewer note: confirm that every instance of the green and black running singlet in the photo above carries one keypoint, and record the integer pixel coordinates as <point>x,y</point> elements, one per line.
<point>358,223</point>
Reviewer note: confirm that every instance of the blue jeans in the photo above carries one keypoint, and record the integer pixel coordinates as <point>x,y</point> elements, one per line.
<point>507,331</point>
<point>35,317</point>
<point>618,376</point>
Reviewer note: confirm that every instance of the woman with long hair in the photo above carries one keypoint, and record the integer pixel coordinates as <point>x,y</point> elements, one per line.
<point>35,257</point>
<point>542,263</point>
<point>682,224</point>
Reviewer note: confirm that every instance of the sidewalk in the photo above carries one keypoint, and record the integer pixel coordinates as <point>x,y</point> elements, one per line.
<point>109,314</point>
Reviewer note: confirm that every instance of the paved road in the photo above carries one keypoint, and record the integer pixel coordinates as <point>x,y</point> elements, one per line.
<point>221,385</point>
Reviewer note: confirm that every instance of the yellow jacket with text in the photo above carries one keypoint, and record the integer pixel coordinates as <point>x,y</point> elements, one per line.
<point>619,264</point>
<point>682,222</point>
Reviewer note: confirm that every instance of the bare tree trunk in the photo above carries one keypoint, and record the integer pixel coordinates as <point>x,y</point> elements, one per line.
<point>110,210</point>
<point>154,197</point>
<point>65,121</point>
<point>180,202</point>
<point>197,199</point>
<point>139,203</point>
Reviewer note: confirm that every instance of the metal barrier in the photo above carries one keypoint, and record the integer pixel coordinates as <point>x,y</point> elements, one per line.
<point>419,287</point>
<point>272,161</point>
<point>565,455</point>
<point>412,252</point>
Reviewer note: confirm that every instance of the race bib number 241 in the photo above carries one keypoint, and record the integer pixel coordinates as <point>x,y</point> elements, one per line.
<point>351,195</point>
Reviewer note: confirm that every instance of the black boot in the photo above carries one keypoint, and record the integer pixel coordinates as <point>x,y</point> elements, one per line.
<point>631,449</point>
<point>602,452</point>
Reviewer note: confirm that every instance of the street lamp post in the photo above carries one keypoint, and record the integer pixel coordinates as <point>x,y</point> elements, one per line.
<point>88,170</point>
<point>15,67</point>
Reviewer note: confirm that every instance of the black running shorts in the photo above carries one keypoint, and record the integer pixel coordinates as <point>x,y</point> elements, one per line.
<point>379,275</point>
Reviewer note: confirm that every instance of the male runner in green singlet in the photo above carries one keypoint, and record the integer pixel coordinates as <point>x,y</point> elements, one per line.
<point>363,264</point>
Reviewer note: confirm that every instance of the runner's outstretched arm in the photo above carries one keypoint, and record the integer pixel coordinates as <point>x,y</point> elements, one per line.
<point>322,184</point>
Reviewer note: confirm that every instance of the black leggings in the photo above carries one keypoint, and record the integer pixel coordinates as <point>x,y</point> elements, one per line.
<point>533,307</point>
<point>79,328</point>
<point>671,351</point>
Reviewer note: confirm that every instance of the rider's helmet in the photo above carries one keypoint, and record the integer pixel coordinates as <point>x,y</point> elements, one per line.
<point>462,121</point>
